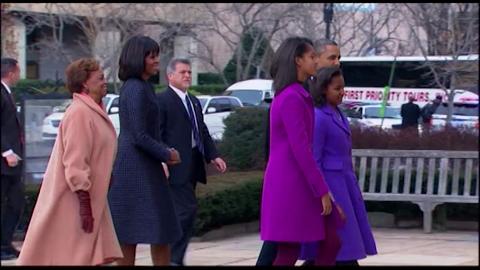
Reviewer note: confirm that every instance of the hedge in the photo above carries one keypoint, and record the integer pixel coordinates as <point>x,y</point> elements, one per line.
<point>236,205</point>
<point>241,203</point>
<point>243,142</point>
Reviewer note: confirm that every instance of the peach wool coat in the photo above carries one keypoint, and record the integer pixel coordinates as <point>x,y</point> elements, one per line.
<point>81,159</point>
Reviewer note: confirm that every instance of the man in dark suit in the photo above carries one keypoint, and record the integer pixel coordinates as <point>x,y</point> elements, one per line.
<point>12,148</point>
<point>183,128</point>
<point>410,113</point>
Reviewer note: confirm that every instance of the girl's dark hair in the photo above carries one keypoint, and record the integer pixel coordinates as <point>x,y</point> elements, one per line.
<point>319,84</point>
<point>132,58</point>
<point>284,68</point>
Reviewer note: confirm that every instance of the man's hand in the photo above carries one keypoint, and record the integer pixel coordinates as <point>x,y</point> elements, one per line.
<point>174,157</point>
<point>12,160</point>
<point>220,164</point>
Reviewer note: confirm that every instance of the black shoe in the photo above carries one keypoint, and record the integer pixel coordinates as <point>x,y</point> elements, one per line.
<point>308,263</point>
<point>5,255</point>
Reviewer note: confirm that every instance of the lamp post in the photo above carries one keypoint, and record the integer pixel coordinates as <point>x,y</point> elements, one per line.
<point>328,16</point>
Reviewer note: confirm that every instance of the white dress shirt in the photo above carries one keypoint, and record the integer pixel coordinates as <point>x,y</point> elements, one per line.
<point>183,96</point>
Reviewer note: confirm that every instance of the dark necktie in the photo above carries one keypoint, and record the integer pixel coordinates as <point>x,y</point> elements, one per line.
<point>196,135</point>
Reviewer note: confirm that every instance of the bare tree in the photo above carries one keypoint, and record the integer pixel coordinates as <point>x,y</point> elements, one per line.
<point>66,31</point>
<point>450,29</point>
<point>230,22</point>
<point>360,29</point>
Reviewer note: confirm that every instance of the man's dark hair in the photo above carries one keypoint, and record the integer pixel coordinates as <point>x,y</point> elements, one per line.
<point>132,57</point>
<point>319,84</point>
<point>8,65</point>
<point>322,43</point>
<point>284,68</point>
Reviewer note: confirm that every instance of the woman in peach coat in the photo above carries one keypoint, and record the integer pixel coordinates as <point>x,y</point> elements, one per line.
<point>71,223</point>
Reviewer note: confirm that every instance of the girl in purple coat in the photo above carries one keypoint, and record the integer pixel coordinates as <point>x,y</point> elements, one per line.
<point>332,148</point>
<point>296,204</point>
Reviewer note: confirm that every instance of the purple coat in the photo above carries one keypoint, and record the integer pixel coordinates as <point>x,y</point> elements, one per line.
<point>293,184</point>
<point>332,146</point>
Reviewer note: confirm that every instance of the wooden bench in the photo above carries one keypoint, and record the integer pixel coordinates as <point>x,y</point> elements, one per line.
<point>425,177</point>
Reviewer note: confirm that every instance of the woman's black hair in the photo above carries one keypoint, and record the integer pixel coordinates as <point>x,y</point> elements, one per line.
<point>284,67</point>
<point>132,57</point>
<point>319,84</point>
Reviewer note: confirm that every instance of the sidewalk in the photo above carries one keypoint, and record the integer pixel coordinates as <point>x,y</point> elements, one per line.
<point>395,247</point>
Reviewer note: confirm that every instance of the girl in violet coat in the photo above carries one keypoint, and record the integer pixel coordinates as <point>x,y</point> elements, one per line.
<point>332,149</point>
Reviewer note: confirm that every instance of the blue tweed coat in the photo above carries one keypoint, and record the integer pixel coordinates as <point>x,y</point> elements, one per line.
<point>140,200</point>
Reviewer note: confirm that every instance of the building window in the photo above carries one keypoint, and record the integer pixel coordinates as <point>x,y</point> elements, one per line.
<point>32,70</point>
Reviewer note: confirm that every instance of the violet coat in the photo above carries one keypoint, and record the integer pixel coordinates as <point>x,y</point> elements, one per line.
<point>332,146</point>
<point>293,185</point>
<point>81,159</point>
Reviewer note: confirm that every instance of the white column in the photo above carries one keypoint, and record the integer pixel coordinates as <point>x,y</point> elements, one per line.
<point>107,48</point>
<point>14,45</point>
<point>186,47</point>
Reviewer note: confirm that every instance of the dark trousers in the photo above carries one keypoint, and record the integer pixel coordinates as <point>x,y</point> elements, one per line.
<point>267,254</point>
<point>185,202</point>
<point>13,201</point>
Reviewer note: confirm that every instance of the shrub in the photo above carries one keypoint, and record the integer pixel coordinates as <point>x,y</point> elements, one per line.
<point>210,78</point>
<point>236,205</point>
<point>448,138</point>
<point>209,89</point>
<point>243,143</point>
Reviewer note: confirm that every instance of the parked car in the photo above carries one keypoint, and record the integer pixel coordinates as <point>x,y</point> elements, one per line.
<point>256,92</point>
<point>52,121</point>
<point>215,109</point>
<point>465,116</point>
<point>369,116</point>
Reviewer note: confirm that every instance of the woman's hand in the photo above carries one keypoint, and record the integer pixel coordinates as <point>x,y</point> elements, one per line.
<point>326,204</point>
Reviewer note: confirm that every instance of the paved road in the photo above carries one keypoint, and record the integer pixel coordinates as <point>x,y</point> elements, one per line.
<point>396,247</point>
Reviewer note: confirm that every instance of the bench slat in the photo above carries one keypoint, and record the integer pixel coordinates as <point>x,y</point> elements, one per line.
<point>373,175</point>
<point>396,175</point>
<point>431,175</point>
<point>442,185</point>
<point>419,178</point>
<point>475,192</point>
<point>353,162</point>
<point>408,175</point>
<point>363,169</point>
<point>383,184</point>
<point>468,177</point>
<point>456,176</point>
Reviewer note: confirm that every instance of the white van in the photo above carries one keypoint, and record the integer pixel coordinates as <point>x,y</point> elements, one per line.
<point>251,92</point>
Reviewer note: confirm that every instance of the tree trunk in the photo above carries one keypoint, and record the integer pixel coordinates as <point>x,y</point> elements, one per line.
<point>451,96</point>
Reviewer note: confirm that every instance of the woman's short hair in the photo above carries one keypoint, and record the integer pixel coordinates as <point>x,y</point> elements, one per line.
<point>132,57</point>
<point>78,72</point>
<point>319,84</point>
<point>284,67</point>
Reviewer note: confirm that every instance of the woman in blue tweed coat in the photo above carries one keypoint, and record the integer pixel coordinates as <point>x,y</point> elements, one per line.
<point>139,197</point>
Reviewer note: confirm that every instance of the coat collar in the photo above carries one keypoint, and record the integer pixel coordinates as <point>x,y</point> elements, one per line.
<point>343,124</point>
<point>94,107</point>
